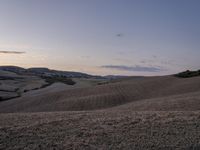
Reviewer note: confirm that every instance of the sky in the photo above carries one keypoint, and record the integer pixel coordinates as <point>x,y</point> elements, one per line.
<point>101,37</point>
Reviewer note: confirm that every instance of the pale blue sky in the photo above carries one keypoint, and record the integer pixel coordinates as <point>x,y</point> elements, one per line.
<point>126,37</point>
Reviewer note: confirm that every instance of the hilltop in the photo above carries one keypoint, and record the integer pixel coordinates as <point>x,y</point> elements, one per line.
<point>45,72</point>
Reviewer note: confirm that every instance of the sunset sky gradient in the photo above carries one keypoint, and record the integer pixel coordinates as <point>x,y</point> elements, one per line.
<point>121,37</point>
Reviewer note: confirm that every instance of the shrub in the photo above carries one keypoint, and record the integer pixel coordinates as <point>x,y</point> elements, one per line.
<point>65,80</point>
<point>188,74</point>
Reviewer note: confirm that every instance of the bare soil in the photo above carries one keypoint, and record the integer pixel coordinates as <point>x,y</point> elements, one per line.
<point>156,89</point>
<point>101,130</point>
<point>148,113</point>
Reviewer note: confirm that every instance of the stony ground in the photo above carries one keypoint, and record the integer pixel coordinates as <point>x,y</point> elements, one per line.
<point>101,130</point>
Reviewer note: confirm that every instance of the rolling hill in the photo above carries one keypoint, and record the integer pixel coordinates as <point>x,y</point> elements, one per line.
<point>129,90</point>
<point>127,113</point>
<point>45,72</point>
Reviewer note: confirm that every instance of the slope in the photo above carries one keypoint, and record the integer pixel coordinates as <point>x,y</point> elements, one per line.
<point>105,96</point>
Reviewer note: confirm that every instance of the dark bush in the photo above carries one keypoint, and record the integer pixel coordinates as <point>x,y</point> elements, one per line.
<point>65,80</point>
<point>188,74</point>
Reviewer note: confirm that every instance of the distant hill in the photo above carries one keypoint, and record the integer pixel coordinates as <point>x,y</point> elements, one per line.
<point>15,81</point>
<point>45,72</point>
<point>14,69</point>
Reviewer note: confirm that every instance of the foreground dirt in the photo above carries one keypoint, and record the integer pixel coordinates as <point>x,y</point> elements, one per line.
<point>101,130</point>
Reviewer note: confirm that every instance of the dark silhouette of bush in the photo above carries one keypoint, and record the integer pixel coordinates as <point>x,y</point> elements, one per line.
<point>188,74</point>
<point>65,80</point>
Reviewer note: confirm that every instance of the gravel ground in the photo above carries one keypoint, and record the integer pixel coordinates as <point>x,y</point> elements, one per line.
<point>103,129</point>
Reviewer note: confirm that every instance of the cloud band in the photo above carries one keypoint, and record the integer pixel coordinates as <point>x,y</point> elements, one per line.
<point>133,68</point>
<point>11,52</point>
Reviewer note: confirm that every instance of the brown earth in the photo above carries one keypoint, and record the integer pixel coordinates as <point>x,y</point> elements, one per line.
<point>147,113</point>
<point>137,91</point>
<point>101,130</point>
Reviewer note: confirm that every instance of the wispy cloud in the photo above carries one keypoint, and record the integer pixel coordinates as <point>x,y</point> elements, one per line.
<point>119,35</point>
<point>133,68</point>
<point>157,60</point>
<point>122,60</point>
<point>12,52</point>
